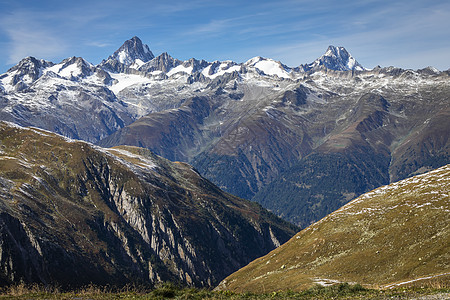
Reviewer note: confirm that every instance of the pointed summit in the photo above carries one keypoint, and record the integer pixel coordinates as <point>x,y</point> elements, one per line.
<point>164,62</point>
<point>338,59</point>
<point>27,71</point>
<point>131,51</point>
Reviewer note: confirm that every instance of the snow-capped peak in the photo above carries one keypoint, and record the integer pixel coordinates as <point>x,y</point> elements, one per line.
<point>253,61</point>
<point>131,51</point>
<point>337,58</point>
<point>24,74</point>
<point>269,66</point>
<point>72,67</point>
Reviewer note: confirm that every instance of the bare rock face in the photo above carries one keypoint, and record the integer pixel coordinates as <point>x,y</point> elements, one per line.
<point>72,213</point>
<point>132,50</point>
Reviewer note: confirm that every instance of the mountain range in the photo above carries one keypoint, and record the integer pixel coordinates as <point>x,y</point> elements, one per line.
<point>302,141</point>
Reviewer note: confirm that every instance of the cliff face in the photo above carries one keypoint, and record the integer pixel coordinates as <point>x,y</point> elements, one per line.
<point>72,213</point>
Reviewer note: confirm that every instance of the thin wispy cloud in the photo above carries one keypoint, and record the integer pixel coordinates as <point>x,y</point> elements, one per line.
<point>99,44</point>
<point>29,38</point>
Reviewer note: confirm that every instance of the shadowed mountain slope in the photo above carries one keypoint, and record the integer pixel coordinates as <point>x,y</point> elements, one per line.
<point>72,213</point>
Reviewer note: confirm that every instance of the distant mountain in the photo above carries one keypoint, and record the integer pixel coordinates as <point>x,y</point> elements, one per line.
<point>24,73</point>
<point>71,98</point>
<point>260,129</point>
<point>391,235</point>
<point>132,52</point>
<point>338,59</point>
<point>72,213</point>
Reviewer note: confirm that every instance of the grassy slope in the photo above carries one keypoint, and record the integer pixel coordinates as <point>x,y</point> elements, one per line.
<point>395,233</point>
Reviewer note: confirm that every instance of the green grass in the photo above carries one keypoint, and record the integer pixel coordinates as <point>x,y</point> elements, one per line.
<point>171,291</point>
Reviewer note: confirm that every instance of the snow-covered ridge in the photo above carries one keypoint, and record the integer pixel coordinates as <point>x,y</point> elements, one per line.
<point>337,58</point>
<point>137,160</point>
<point>132,161</point>
<point>140,66</point>
<point>132,83</point>
<point>269,67</point>
<point>71,67</point>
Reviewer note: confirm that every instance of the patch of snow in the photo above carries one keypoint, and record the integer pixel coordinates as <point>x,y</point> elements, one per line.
<point>8,157</point>
<point>179,69</point>
<point>126,80</point>
<point>6,82</point>
<point>351,63</point>
<point>390,286</point>
<point>325,281</point>
<point>205,71</point>
<point>71,70</point>
<point>270,67</point>
<point>269,107</point>
<point>142,161</point>
<point>123,57</point>
<point>137,63</point>
<point>224,67</point>
<point>54,69</point>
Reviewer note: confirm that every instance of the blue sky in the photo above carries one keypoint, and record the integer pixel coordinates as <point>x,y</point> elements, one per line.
<point>408,34</point>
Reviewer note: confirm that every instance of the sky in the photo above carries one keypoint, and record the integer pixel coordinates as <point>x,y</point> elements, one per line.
<point>410,34</point>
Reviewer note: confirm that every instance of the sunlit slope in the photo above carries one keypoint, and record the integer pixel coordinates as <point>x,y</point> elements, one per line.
<point>395,233</point>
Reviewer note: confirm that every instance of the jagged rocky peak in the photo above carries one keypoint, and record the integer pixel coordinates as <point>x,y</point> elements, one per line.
<point>164,62</point>
<point>22,75</point>
<point>74,67</point>
<point>196,65</point>
<point>430,70</point>
<point>78,61</point>
<point>29,66</point>
<point>338,59</point>
<point>133,51</point>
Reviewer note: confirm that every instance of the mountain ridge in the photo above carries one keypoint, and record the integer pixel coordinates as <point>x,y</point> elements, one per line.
<point>72,213</point>
<point>132,50</point>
